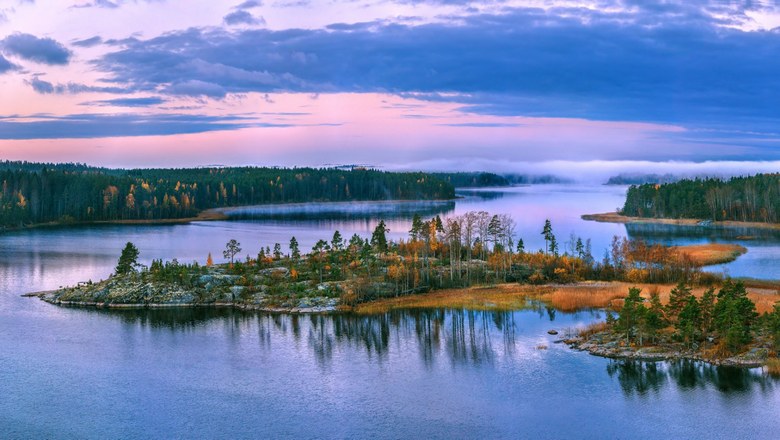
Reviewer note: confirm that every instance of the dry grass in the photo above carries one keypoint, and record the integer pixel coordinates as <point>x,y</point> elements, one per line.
<point>711,253</point>
<point>596,327</point>
<point>567,298</point>
<point>500,297</point>
<point>773,367</point>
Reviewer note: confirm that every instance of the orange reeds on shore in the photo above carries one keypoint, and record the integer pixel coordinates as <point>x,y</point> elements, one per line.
<point>710,253</point>
<point>593,328</point>
<point>773,367</point>
<point>569,298</point>
<point>564,297</point>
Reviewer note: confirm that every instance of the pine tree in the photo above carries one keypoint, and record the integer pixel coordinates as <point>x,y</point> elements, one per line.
<point>231,249</point>
<point>689,321</point>
<point>295,252</point>
<point>337,242</point>
<point>127,260</point>
<point>379,237</point>
<point>632,314</point>
<point>707,306</point>
<point>277,251</point>
<point>654,318</point>
<point>734,314</point>
<point>417,227</point>
<point>678,297</point>
<point>547,233</point>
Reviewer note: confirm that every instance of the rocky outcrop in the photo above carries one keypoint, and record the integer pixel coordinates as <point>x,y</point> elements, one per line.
<point>608,344</point>
<point>269,290</point>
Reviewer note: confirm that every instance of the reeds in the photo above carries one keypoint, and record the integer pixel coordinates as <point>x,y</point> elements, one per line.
<point>578,297</point>
<point>590,330</point>
<point>773,367</point>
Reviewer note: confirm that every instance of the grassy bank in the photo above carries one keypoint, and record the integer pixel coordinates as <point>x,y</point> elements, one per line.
<point>565,297</point>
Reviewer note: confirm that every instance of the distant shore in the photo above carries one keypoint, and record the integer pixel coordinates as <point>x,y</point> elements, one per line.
<point>208,215</point>
<point>614,217</point>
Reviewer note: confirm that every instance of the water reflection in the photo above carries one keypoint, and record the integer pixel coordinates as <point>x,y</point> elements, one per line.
<point>474,339</point>
<point>642,378</point>
<point>343,210</point>
<point>672,233</point>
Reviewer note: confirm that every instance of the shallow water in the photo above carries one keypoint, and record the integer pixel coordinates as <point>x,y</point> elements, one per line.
<point>81,373</point>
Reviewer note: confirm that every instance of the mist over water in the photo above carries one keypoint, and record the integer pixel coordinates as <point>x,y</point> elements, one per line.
<point>597,172</point>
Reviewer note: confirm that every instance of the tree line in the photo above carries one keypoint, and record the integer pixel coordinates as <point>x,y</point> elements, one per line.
<point>753,199</point>
<point>728,316</point>
<point>31,194</point>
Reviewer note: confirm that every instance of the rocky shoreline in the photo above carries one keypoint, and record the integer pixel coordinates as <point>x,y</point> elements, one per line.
<point>213,289</point>
<point>607,344</point>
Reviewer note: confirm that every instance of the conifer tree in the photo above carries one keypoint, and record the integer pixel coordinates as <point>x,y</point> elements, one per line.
<point>127,260</point>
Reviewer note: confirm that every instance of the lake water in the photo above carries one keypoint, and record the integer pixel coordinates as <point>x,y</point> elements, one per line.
<point>80,373</point>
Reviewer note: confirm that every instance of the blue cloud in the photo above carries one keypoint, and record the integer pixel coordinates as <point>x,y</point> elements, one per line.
<point>249,4</point>
<point>45,87</point>
<point>80,126</point>
<point>6,66</point>
<point>32,48</point>
<point>672,63</point>
<point>242,17</point>
<point>88,42</point>
<point>128,102</point>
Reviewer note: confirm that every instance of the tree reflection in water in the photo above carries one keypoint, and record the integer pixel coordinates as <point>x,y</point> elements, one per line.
<point>641,378</point>
<point>462,337</point>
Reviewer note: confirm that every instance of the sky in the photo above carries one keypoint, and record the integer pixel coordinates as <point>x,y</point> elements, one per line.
<point>495,85</point>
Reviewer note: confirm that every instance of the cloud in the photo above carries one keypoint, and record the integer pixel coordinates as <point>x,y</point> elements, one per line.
<point>127,102</point>
<point>6,66</point>
<point>107,4</point>
<point>41,86</point>
<point>196,88</point>
<point>668,64</point>
<point>249,4</point>
<point>242,17</point>
<point>83,126</point>
<point>32,48</point>
<point>88,42</point>
<point>45,87</point>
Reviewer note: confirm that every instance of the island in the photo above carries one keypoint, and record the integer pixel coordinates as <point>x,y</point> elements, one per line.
<point>471,261</point>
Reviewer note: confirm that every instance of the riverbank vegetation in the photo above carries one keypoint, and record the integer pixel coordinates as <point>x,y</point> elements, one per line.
<point>710,326</point>
<point>70,193</point>
<point>745,199</point>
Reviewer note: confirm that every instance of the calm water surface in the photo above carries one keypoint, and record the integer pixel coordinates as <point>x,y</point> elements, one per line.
<point>78,373</point>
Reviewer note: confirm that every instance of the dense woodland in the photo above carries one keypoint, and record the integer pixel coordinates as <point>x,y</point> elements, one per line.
<point>751,199</point>
<point>39,193</point>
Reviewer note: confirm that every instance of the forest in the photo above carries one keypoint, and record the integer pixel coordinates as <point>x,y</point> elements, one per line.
<point>748,199</point>
<point>71,193</point>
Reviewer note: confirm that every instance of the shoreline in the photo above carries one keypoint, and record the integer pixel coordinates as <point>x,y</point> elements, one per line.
<point>213,214</point>
<point>614,217</point>
<point>501,297</point>
<point>755,357</point>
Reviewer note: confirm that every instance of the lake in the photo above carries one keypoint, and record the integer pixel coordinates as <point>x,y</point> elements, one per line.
<point>81,373</point>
